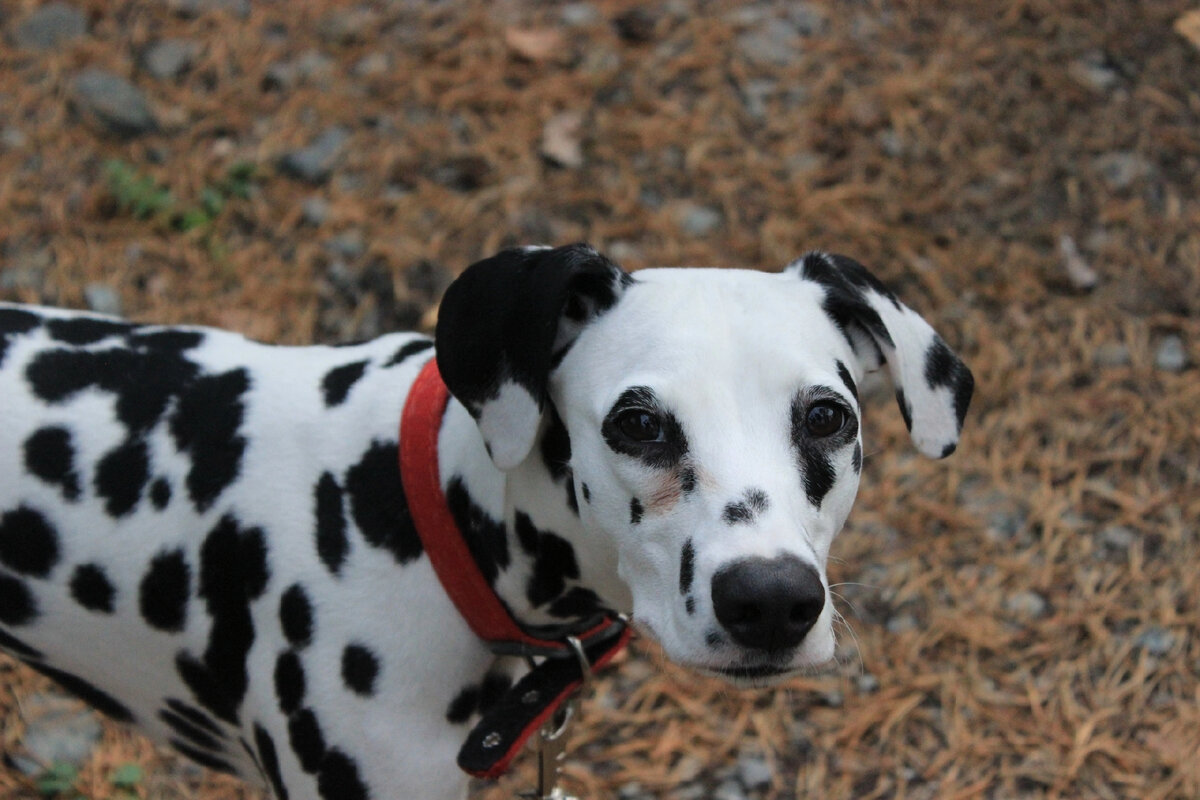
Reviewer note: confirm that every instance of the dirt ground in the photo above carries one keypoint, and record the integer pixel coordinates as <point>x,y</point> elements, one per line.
<point>1023,619</point>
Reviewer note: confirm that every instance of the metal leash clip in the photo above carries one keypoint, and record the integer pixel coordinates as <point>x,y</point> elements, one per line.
<point>552,738</point>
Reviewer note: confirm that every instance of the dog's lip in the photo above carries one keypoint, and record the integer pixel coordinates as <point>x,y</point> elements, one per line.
<point>750,676</point>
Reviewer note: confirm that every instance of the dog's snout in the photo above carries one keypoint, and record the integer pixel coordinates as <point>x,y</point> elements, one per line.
<point>768,604</point>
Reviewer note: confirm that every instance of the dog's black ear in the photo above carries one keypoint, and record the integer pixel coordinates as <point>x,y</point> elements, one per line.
<point>933,386</point>
<point>506,322</point>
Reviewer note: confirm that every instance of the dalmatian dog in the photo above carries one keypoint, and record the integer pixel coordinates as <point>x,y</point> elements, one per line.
<point>207,537</point>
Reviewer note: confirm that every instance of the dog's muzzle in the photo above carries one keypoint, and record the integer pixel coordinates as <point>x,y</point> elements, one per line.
<point>768,604</point>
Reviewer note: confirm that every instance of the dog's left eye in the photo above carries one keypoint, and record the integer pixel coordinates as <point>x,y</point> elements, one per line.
<point>640,425</point>
<point>825,419</point>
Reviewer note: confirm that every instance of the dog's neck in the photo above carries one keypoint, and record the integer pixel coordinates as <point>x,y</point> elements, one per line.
<point>523,526</point>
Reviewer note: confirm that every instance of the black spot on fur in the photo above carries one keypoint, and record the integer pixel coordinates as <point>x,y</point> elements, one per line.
<point>340,380</point>
<point>85,330</point>
<point>409,349</point>
<point>814,454</point>
<point>553,561</point>
<point>164,591</point>
<point>905,409</point>
<point>856,458</point>
<point>485,537</point>
<point>949,449</point>
<point>635,511</point>
<point>86,692</point>
<point>14,645</point>
<point>308,743</point>
<point>50,456</point>
<point>463,705</point>
<point>203,758</point>
<point>205,425</point>
<point>736,512</point>
<point>160,493</point>
<point>663,454</point>
<point>360,668</point>
<point>28,544</point>
<point>687,567</point>
<point>339,778</point>
<point>556,455</point>
<point>713,638</point>
<point>689,605</point>
<point>492,689</point>
<point>576,603</point>
<point>846,284</point>
<point>289,682</point>
<point>270,761</point>
<point>14,322</point>
<point>942,368</point>
<point>233,572</point>
<point>190,731</point>
<point>587,493</point>
<point>296,616</point>
<point>165,341</point>
<point>378,505</point>
<point>332,544</point>
<point>687,480</point>
<point>121,476</point>
<point>17,606</point>
<point>195,716</point>
<point>847,379</point>
<point>92,589</point>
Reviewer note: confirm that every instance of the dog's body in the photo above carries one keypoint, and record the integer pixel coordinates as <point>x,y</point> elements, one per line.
<point>208,537</point>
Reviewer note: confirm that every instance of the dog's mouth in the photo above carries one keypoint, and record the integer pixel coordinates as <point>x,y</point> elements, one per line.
<point>749,676</point>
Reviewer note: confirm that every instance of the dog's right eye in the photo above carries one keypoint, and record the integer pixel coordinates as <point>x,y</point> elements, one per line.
<point>640,425</point>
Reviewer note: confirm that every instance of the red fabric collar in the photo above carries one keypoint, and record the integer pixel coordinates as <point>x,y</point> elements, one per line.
<point>482,609</point>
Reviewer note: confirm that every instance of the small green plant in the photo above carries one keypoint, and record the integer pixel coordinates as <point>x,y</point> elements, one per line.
<point>125,780</point>
<point>135,194</point>
<point>58,781</point>
<point>141,197</point>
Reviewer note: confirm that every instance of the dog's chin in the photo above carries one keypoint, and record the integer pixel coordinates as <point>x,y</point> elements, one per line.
<point>751,677</point>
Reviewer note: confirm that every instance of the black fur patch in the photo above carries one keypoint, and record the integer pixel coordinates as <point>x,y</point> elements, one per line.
<point>160,493</point>
<point>233,572</point>
<point>203,757</point>
<point>15,321</point>
<point>92,589</point>
<point>635,511</point>
<point>662,454</point>
<point>486,538</point>
<point>360,668</point>
<point>195,716</point>
<point>339,779</point>
<point>307,741</point>
<point>85,330</point>
<point>289,682</point>
<point>942,368</point>
<point>587,493</point>
<point>121,476</point>
<point>950,448</point>
<point>296,616</point>
<point>492,689</point>
<point>553,561</point>
<point>17,606</point>
<point>905,409</point>
<point>753,503</point>
<point>14,645</point>
<point>556,454</point>
<point>332,544</point>
<point>847,379</point>
<point>86,692</point>
<point>28,543</point>
<point>205,425</point>
<point>576,603</point>
<point>814,454</point>
<point>409,349</point>
<point>378,505</point>
<point>856,458</point>
<point>463,705</point>
<point>164,591</point>
<point>687,567</point>
<point>846,284</point>
<point>270,761</point>
<point>340,380</point>
<point>689,605</point>
<point>50,456</point>
<point>687,480</point>
<point>189,730</point>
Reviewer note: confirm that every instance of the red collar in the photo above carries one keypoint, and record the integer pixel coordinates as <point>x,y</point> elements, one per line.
<point>494,742</point>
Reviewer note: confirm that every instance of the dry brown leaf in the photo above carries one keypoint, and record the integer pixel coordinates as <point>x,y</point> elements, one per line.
<point>534,44</point>
<point>1187,25</point>
<point>561,139</point>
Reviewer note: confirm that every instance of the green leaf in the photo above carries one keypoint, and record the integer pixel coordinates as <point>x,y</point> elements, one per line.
<point>126,776</point>
<point>212,202</point>
<point>56,780</point>
<point>191,219</point>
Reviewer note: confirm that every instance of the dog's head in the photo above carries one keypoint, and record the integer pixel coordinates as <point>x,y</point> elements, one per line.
<point>713,419</point>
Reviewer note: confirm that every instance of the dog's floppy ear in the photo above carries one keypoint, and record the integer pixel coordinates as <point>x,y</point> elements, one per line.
<point>506,322</point>
<point>933,387</point>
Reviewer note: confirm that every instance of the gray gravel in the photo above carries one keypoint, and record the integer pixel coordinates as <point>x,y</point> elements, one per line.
<point>170,58</point>
<point>112,103</point>
<point>698,220</point>
<point>50,26</point>
<point>773,43</point>
<point>316,162</point>
<point>102,299</point>
<point>58,730</point>
<point>1171,355</point>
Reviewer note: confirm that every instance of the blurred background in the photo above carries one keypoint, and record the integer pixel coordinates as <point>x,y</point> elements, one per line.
<point>1021,620</point>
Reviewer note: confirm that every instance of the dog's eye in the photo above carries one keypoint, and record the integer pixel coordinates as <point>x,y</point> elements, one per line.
<point>640,425</point>
<point>825,419</point>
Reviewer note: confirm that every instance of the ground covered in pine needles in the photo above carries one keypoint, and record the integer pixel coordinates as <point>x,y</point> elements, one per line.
<point>1022,620</point>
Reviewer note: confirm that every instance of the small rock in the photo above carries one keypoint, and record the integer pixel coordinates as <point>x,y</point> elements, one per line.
<point>636,25</point>
<point>1121,169</point>
<point>697,220</point>
<point>561,139</point>
<point>729,790</point>
<point>170,58</point>
<point>58,729</point>
<point>754,772</point>
<point>834,698</point>
<point>315,211</point>
<point>112,102</point>
<point>1027,604</point>
<point>1156,640</point>
<point>1118,537</point>
<point>1094,71</point>
<point>902,623</point>
<point>102,299</point>
<point>312,66</point>
<point>775,43</point>
<point>194,8</point>
<point>49,26</point>
<point>578,15</point>
<point>346,26</point>
<point>1171,355</point>
<point>1111,354</point>
<point>755,94</point>
<point>371,64</point>
<point>349,245</point>
<point>867,683</point>
<point>1079,272</point>
<point>316,162</point>
<point>13,138</point>
<point>808,18</point>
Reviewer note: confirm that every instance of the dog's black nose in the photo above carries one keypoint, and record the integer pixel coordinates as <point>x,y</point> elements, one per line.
<point>768,604</point>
